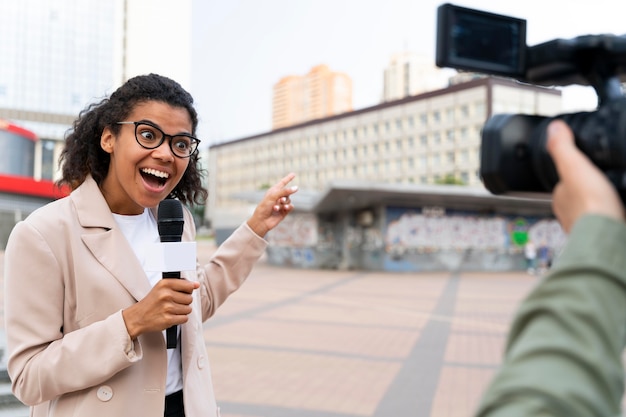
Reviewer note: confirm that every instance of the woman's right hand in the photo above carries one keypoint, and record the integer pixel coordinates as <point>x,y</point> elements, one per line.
<point>166,305</point>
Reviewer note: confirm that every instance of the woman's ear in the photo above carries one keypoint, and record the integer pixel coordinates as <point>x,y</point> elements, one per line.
<point>107,140</point>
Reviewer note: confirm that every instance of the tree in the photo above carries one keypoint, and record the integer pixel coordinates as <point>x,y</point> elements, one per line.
<point>450,179</point>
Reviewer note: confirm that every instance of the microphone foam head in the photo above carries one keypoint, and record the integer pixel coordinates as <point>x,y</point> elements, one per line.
<point>170,220</point>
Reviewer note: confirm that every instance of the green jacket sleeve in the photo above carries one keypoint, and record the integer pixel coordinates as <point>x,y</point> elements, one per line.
<point>564,350</point>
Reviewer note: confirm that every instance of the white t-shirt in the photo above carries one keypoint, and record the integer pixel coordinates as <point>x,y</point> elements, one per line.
<point>142,231</point>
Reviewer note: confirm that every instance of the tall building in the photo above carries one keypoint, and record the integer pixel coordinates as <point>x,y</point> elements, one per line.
<point>59,56</point>
<point>318,94</point>
<point>422,139</point>
<point>408,74</point>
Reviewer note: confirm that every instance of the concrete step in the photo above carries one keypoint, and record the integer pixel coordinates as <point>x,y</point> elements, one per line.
<point>9,405</point>
<point>7,399</point>
<point>21,411</point>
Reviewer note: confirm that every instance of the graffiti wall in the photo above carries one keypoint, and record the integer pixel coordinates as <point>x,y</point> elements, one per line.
<point>297,230</point>
<point>411,229</point>
<point>463,239</point>
<point>411,239</point>
<point>302,240</point>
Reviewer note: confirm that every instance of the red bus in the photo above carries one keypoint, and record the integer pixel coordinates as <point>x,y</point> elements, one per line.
<point>17,164</point>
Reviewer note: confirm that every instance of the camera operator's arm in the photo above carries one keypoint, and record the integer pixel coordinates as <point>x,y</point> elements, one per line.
<point>564,350</point>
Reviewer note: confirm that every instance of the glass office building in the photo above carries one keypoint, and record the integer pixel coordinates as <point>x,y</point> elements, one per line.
<point>56,57</point>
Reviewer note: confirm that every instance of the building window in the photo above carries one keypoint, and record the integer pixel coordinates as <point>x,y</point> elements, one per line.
<point>450,115</point>
<point>480,110</point>
<point>47,159</point>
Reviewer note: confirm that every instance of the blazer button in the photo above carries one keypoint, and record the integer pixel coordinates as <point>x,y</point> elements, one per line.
<point>105,393</point>
<point>201,362</point>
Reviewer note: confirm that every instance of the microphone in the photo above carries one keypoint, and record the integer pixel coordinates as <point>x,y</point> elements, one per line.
<point>170,223</point>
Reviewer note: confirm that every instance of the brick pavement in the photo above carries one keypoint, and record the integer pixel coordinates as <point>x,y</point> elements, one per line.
<point>311,343</point>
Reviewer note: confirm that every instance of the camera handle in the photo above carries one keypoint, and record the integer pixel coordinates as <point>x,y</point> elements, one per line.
<point>604,79</point>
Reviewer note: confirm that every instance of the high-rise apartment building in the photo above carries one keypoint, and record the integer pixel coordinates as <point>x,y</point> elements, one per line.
<point>59,56</point>
<point>318,94</point>
<point>408,74</point>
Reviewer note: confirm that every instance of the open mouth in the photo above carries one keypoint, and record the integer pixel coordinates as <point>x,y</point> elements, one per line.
<point>153,177</point>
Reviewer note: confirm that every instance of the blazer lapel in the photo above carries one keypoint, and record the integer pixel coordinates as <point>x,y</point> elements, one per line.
<point>106,242</point>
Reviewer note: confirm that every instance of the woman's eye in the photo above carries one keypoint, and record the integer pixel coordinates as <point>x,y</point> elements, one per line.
<point>182,143</point>
<point>148,135</point>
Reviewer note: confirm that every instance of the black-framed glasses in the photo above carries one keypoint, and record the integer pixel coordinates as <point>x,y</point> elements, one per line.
<point>150,136</point>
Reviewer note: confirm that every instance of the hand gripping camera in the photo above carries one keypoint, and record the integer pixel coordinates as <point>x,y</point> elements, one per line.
<point>514,159</point>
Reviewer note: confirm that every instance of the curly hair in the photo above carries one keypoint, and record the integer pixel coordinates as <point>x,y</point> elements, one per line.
<point>83,155</point>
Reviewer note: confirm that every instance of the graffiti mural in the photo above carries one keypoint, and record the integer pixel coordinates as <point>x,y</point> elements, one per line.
<point>412,239</point>
<point>410,229</point>
<point>296,231</point>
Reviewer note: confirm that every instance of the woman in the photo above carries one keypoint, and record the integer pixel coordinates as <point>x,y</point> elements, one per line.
<point>85,321</point>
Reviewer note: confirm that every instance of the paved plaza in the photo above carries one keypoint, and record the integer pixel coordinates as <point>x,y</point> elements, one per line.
<point>319,343</point>
<point>325,343</point>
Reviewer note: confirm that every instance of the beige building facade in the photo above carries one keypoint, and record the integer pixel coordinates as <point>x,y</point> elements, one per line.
<point>318,94</point>
<point>417,140</point>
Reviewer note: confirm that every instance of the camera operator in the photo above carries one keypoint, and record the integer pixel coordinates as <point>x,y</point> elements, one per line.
<point>564,350</point>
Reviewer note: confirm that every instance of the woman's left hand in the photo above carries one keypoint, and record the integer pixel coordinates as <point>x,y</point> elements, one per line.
<point>274,207</point>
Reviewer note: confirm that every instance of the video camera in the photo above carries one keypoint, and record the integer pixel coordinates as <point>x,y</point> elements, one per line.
<point>514,159</point>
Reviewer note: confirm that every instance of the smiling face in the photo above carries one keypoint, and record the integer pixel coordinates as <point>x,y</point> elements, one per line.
<point>140,178</point>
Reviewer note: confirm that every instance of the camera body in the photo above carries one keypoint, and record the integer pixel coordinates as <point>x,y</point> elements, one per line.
<point>514,159</point>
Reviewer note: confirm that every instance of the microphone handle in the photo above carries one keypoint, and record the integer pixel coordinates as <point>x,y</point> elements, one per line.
<point>171,333</point>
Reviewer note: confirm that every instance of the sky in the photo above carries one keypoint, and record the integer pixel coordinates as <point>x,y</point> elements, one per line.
<point>241,48</point>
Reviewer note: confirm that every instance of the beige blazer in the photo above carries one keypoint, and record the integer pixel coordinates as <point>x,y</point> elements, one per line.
<point>69,272</point>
